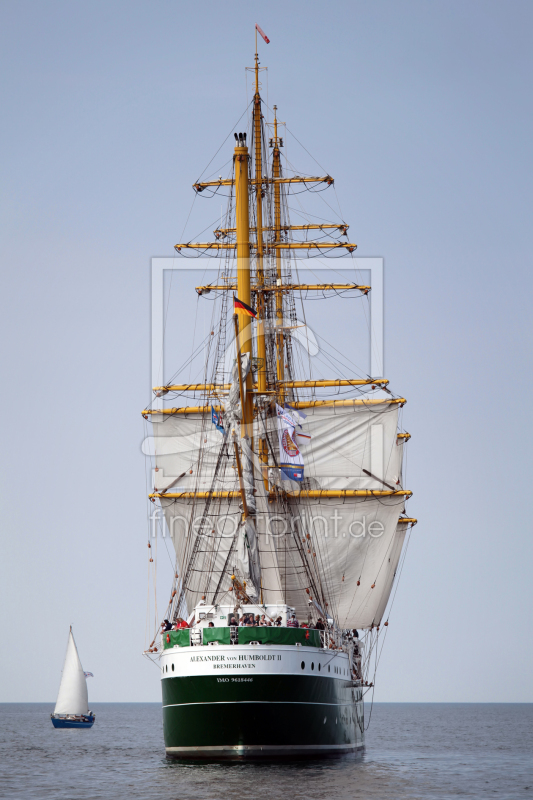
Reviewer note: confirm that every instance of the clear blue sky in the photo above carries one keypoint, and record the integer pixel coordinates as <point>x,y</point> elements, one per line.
<point>422,113</point>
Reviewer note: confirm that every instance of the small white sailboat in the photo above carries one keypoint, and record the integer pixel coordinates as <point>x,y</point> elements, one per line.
<point>72,706</point>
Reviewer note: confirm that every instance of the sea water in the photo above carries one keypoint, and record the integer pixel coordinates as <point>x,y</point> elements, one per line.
<point>412,751</point>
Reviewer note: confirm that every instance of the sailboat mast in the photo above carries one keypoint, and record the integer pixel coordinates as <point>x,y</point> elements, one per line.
<point>276,174</point>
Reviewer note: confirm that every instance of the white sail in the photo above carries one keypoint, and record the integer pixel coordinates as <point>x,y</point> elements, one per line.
<point>203,542</point>
<point>391,567</point>
<point>72,697</point>
<point>346,441</point>
<point>350,541</point>
<point>352,447</point>
<point>186,450</point>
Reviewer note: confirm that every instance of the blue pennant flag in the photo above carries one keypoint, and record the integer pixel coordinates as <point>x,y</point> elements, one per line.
<point>290,473</point>
<point>216,420</point>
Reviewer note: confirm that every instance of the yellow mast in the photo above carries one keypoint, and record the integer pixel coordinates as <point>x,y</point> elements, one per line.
<point>276,173</point>
<point>242,212</point>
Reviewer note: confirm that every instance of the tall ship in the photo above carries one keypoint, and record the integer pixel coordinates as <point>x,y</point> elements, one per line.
<point>281,492</point>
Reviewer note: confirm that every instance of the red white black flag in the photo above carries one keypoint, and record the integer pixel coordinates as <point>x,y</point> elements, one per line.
<point>263,34</point>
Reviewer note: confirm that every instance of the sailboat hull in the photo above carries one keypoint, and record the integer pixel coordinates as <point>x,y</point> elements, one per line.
<point>59,722</point>
<point>259,704</point>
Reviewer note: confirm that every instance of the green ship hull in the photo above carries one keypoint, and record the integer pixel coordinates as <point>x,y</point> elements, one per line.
<point>261,715</point>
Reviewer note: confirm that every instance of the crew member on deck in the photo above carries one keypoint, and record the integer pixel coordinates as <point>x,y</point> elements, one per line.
<point>293,622</point>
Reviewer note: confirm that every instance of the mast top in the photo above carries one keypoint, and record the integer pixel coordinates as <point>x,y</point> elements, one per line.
<point>267,40</point>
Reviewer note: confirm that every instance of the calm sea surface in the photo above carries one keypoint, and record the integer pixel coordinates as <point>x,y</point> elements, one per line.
<point>413,751</point>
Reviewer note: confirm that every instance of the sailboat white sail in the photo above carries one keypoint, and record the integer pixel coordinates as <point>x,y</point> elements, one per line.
<point>72,698</point>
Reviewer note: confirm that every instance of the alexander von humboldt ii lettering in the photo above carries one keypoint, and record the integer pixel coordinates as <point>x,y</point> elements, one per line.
<point>280,488</point>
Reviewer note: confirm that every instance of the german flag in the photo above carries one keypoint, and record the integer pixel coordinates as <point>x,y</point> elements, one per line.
<point>241,308</point>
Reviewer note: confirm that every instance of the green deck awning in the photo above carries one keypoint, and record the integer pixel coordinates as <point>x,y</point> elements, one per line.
<point>180,638</point>
<point>280,636</point>
<point>220,635</point>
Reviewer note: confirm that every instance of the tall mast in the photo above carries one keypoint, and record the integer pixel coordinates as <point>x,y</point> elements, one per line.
<point>261,347</point>
<point>244,345</point>
<point>276,173</point>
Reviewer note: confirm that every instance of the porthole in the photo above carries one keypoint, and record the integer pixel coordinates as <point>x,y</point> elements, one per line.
<point>319,667</point>
<point>172,667</point>
<point>303,664</point>
<point>312,664</point>
<point>329,668</point>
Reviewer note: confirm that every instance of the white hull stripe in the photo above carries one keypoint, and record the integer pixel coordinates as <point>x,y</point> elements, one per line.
<point>240,748</point>
<point>268,702</point>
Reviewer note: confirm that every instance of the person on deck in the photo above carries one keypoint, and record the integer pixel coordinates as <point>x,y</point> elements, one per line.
<point>179,624</point>
<point>355,634</point>
<point>233,621</point>
<point>279,621</point>
<point>293,622</point>
<point>320,625</point>
<point>166,626</point>
<point>211,625</point>
<point>263,621</point>
<point>257,620</point>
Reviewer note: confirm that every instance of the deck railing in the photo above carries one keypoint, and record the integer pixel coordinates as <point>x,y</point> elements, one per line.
<point>232,635</point>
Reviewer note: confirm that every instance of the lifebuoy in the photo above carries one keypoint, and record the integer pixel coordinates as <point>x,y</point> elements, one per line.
<point>168,638</point>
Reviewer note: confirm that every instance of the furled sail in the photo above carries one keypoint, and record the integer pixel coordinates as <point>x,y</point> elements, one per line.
<point>72,697</point>
<point>232,404</point>
<point>247,549</point>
